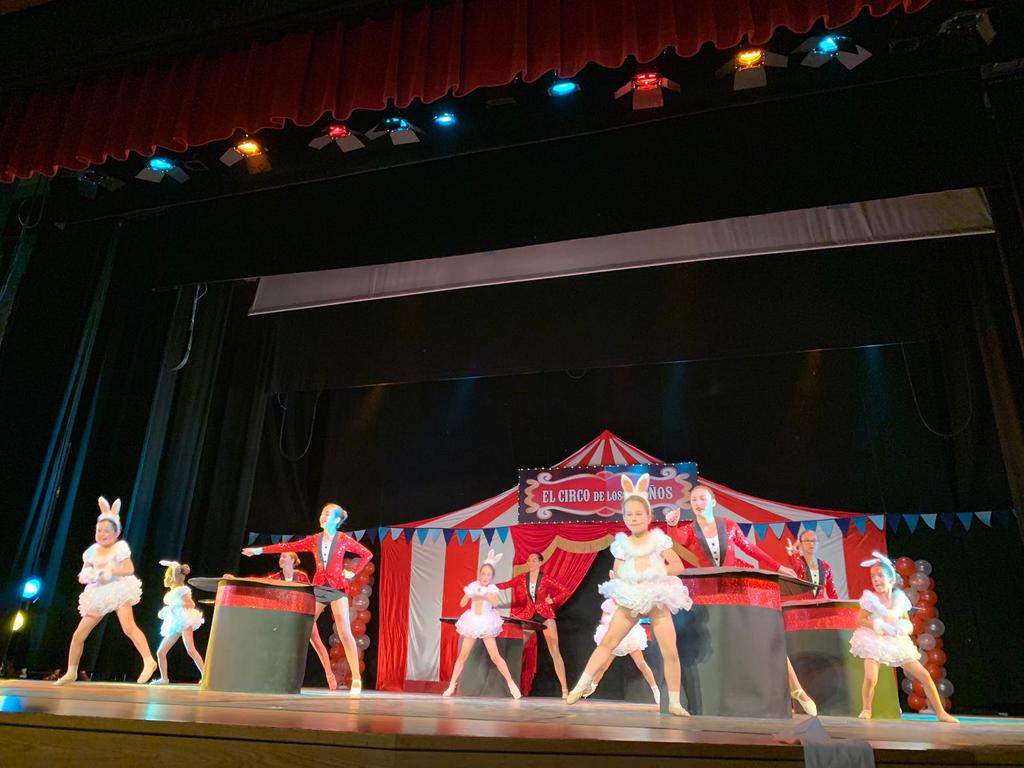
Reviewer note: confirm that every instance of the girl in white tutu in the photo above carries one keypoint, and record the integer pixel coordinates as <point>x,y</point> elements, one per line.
<point>633,645</point>
<point>883,637</point>
<point>180,619</point>
<point>481,621</point>
<point>110,587</point>
<point>646,584</point>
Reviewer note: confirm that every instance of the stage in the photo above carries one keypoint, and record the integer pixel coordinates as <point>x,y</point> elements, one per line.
<point>122,724</point>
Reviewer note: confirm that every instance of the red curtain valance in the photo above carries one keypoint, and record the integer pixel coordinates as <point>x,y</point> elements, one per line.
<point>424,52</point>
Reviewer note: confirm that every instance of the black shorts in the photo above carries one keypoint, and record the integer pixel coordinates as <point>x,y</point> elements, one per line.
<point>538,618</point>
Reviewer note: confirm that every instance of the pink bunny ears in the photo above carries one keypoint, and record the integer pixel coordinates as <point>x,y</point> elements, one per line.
<point>111,513</point>
<point>492,559</point>
<point>640,489</point>
<point>879,559</point>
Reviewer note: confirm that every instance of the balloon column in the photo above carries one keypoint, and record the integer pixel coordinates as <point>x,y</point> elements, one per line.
<point>359,591</point>
<point>928,631</point>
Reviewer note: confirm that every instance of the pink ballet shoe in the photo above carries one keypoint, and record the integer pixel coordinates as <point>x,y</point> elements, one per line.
<point>332,681</point>
<point>945,717</point>
<point>68,677</point>
<point>865,714</point>
<point>159,681</point>
<point>514,690</point>
<point>449,691</point>
<point>148,668</point>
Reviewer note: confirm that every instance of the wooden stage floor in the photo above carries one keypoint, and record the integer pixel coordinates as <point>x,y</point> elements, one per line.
<point>104,724</point>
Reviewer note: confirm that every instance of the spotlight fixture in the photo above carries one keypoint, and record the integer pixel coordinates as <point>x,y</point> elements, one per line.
<point>251,151</point>
<point>90,183</point>
<point>445,119</point>
<point>346,139</point>
<point>398,129</point>
<point>563,88</point>
<point>158,167</point>
<point>18,622</point>
<point>965,31</point>
<point>645,88</point>
<point>819,51</point>
<point>30,589</point>
<point>748,68</point>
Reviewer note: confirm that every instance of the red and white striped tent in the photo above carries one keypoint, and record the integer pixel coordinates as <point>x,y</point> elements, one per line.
<point>420,560</point>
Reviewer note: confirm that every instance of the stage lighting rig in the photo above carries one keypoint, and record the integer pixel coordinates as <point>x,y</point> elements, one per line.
<point>819,51</point>
<point>398,129</point>
<point>563,88</point>
<point>748,68</point>
<point>89,183</point>
<point>158,167</point>
<point>966,32</point>
<point>251,151</point>
<point>344,137</point>
<point>645,89</point>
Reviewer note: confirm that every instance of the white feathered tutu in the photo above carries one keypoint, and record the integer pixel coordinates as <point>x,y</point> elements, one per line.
<point>486,623</point>
<point>635,639</point>
<point>176,617</point>
<point>102,597</point>
<point>642,583</point>
<point>893,650</point>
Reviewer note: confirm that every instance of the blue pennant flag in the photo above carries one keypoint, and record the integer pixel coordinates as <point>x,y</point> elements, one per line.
<point>844,525</point>
<point>371,534</point>
<point>382,533</point>
<point>503,534</point>
<point>985,517</point>
<point>912,521</point>
<point>489,535</point>
<point>929,520</point>
<point>449,533</point>
<point>252,537</point>
<point>745,529</point>
<point>408,533</point>
<point>861,524</point>
<point>287,538</point>
<point>474,535</point>
<point>435,533</point>
<point>947,518</point>
<point>811,525</point>
<point>894,521</point>
<point>421,534</point>
<point>358,535</point>
<point>760,530</point>
<point>778,529</point>
<point>878,521</point>
<point>275,538</point>
<point>965,518</point>
<point>794,528</point>
<point>461,536</point>
<point>828,527</point>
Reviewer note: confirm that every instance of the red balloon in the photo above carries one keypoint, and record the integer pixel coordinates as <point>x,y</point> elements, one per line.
<point>905,567</point>
<point>917,688</point>
<point>362,666</point>
<point>369,569</point>
<point>926,611</point>
<point>937,656</point>
<point>947,704</point>
<point>931,583</point>
<point>918,621</point>
<point>938,643</point>
<point>917,702</point>
<point>935,670</point>
<point>358,629</point>
<point>363,616</point>
<point>927,596</point>
<point>337,653</point>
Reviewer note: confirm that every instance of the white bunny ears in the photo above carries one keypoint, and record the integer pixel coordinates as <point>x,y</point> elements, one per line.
<point>492,559</point>
<point>640,489</point>
<point>877,558</point>
<point>111,513</point>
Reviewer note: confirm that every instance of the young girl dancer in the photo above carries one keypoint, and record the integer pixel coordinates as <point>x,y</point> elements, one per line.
<point>633,645</point>
<point>883,637</point>
<point>180,619</point>
<point>646,584</point>
<point>481,622</point>
<point>110,587</point>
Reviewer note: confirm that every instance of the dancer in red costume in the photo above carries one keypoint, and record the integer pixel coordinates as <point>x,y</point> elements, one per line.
<point>810,568</point>
<point>289,562</point>
<point>535,598</point>
<point>713,542</point>
<point>329,548</point>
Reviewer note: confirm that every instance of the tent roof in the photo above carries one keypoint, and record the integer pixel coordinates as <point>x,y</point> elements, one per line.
<point>608,449</point>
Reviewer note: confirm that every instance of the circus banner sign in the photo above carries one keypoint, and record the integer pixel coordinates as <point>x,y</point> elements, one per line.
<point>594,494</point>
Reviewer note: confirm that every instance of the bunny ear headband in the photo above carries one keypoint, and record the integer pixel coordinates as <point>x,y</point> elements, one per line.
<point>879,559</point>
<point>640,489</point>
<point>111,513</point>
<point>492,559</point>
<point>170,563</point>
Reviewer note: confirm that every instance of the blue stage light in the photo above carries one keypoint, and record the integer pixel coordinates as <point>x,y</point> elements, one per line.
<point>563,88</point>
<point>30,589</point>
<point>828,45</point>
<point>160,165</point>
<point>445,119</point>
<point>394,124</point>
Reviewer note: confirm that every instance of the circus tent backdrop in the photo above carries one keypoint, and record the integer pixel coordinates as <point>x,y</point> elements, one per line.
<point>425,564</point>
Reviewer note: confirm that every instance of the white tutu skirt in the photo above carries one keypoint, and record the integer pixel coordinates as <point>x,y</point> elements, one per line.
<point>642,596</point>
<point>479,625</point>
<point>177,618</point>
<point>885,649</point>
<point>101,599</point>
<point>635,639</point>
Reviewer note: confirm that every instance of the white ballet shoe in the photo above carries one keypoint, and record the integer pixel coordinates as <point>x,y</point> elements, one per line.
<point>865,714</point>
<point>356,688</point>
<point>591,690</point>
<point>674,707</point>
<point>514,690</point>
<point>68,677</point>
<point>159,681</point>
<point>449,691</point>
<point>806,702</point>
<point>581,687</point>
<point>148,668</point>
<point>657,695</point>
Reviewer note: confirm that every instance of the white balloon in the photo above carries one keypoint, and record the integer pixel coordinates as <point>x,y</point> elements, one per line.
<point>925,642</point>
<point>923,566</point>
<point>907,685</point>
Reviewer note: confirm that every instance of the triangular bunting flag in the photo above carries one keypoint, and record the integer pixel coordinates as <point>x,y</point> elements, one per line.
<point>929,520</point>
<point>421,534</point>
<point>965,518</point>
<point>489,535</point>
<point>912,521</point>
<point>811,525</point>
<point>947,518</point>
<point>745,529</point>
<point>878,521</point>
<point>503,534</point>
<point>382,533</point>
<point>894,521</point>
<point>828,527</point>
<point>359,534</point>
<point>474,535</point>
<point>861,524</point>
<point>396,533</point>
<point>985,517</point>
<point>461,536</point>
<point>408,533</point>
<point>371,534</point>
<point>287,538</point>
<point>793,527</point>
<point>275,538</point>
<point>435,533</point>
<point>778,529</point>
<point>1003,516</point>
<point>252,537</point>
<point>760,530</point>
<point>843,524</point>
<point>448,534</point>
